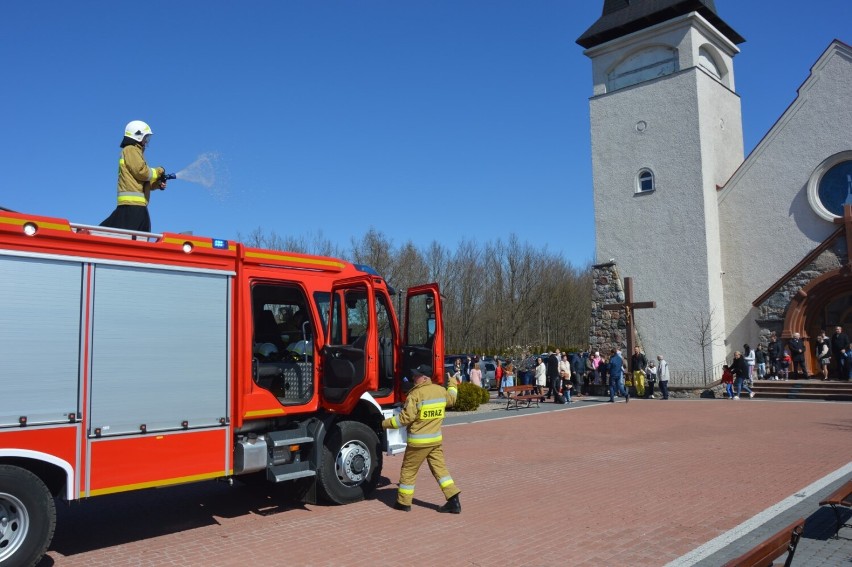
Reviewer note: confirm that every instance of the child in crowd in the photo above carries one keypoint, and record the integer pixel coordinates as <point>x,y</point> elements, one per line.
<point>476,375</point>
<point>728,381</point>
<point>786,362</point>
<point>650,379</point>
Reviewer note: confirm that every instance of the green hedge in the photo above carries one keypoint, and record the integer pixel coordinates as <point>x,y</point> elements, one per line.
<point>469,397</point>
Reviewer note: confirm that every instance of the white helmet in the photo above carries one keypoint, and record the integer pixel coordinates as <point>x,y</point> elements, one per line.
<point>266,349</point>
<point>137,130</point>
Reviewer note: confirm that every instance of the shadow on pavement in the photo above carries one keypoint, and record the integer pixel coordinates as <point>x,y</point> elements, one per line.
<point>112,520</point>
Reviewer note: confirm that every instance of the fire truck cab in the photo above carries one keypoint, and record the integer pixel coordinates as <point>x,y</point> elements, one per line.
<point>138,360</point>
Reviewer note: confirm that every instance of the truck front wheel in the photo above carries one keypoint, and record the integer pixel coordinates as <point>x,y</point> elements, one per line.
<point>351,463</point>
<point>27,517</point>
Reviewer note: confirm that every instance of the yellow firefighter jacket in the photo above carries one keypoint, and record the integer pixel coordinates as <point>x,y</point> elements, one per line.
<point>135,177</point>
<point>423,413</point>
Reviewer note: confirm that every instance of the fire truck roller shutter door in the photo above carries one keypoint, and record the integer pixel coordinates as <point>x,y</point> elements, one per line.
<point>160,349</point>
<point>40,331</point>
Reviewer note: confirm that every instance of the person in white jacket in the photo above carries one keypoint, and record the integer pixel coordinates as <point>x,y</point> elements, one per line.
<point>540,376</point>
<point>663,376</point>
<point>565,378</point>
<point>748,355</point>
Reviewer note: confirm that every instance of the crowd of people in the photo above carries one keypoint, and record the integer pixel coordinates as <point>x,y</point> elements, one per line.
<point>559,376</point>
<point>640,374</point>
<point>780,361</point>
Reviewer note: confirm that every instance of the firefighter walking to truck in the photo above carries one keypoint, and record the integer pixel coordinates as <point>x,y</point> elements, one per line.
<point>423,415</point>
<point>135,180</point>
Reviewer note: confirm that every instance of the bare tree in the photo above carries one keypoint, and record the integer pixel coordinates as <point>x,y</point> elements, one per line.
<point>493,314</point>
<point>705,334</point>
<point>467,296</point>
<point>497,296</point>
<point>522,268</point>
<point>374,249</point>
<point>410,270</point>
<point>306,244</point>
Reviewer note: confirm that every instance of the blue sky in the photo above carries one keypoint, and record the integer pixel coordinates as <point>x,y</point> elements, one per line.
<point>427,120</point>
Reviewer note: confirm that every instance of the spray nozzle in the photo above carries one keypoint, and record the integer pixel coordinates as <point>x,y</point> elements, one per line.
<point>168,176</point>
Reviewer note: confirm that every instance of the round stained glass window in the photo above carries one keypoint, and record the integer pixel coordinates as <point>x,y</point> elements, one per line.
<point>835,187</point>
<point>830,186</point>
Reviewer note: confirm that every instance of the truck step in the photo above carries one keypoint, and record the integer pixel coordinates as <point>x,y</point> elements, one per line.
<point>297,440</point>
<point>290,471</point>
<point>294,475</point>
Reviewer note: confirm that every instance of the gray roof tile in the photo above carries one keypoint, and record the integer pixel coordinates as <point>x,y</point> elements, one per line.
<point>621,17</point>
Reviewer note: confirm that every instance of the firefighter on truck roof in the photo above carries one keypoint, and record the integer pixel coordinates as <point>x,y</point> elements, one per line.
<point>423,415</point>
<point>135,180</point>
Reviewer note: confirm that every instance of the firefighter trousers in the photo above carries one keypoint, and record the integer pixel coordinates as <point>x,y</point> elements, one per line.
<point>414,457</point>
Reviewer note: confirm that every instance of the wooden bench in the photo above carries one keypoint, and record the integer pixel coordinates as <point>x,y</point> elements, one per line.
<point>840,497</point>
<point>516,395</point>
<point>785,541</point>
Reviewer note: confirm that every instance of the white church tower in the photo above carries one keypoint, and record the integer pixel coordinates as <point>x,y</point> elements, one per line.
<point>666,132</point>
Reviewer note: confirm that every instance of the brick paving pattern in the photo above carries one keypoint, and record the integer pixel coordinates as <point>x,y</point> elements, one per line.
<point>592,484</point>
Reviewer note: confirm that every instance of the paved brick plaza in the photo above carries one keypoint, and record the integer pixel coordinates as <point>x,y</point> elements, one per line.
<point>593,484</point>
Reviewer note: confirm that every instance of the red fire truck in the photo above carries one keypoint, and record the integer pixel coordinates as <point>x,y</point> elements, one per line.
<point>136,360</point>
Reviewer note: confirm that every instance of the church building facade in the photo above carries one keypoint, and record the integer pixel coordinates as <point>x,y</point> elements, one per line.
<point>728,247</point>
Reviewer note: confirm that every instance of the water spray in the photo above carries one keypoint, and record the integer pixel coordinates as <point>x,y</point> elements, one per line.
<point>203,171</point>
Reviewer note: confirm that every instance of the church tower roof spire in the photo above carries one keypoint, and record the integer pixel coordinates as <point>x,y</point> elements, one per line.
<point>622,17</point>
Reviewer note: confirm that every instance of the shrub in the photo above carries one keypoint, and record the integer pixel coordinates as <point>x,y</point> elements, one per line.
<point>468,397</point>
<point>485,396</point>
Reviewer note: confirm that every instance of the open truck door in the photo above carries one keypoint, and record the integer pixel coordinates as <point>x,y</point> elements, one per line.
<point>423,339</point>
<point>350,353</point>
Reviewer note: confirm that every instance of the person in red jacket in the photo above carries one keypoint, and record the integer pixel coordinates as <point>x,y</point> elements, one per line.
<point>728,381</point>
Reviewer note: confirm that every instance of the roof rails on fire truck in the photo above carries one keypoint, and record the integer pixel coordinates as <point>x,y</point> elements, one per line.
<point>268,258</point>
<point>79,235</point>
<point>114,232</point>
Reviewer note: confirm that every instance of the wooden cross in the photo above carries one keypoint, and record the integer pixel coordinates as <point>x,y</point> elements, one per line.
<point>847,220</point>
<point>629,305</point>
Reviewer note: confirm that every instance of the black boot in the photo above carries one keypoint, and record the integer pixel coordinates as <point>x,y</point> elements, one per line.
<point>400,506</point>
<point>453,506</point>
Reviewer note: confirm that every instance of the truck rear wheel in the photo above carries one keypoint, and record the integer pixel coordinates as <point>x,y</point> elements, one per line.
<point>351,463</point>
<point>27,517</point>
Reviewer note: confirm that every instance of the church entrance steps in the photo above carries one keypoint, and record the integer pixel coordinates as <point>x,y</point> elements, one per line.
<point>804,389</point>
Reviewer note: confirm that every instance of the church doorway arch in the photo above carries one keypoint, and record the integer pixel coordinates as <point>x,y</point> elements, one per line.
<point>822,304</point>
